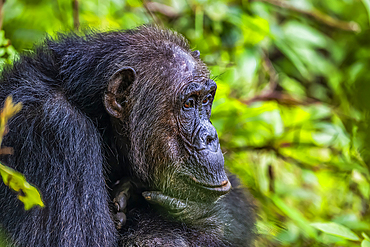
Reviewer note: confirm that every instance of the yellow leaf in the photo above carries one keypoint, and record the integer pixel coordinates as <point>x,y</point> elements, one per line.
<point>9,110</point>
<point>27,194</point>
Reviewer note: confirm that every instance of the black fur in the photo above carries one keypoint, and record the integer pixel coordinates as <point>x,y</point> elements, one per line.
<point>145,227</point>
<point>66,144</point>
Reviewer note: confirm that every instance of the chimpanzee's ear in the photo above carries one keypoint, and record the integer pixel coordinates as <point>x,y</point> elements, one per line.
<point>117,85</point>
<point>196,54</point>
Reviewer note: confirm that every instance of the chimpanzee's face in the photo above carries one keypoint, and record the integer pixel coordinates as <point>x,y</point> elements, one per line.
<point>173,146</point>
<point>198,166</point>
<point>204,167</point>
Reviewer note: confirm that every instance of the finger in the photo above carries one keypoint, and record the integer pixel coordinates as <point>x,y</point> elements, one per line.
<point>157,197</point>
<point>120,202</point>
<point>120,220</point>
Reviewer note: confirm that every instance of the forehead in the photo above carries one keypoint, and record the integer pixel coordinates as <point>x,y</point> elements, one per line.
<point>185,68</point>
<point>184,61</point>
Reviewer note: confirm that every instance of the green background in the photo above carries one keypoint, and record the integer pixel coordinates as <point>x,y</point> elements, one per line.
<point>293,99</point>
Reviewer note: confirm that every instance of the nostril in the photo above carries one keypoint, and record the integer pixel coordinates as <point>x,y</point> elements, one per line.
<point>208,140</point>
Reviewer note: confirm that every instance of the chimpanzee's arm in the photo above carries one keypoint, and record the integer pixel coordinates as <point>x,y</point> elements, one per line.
<point>58,149</point>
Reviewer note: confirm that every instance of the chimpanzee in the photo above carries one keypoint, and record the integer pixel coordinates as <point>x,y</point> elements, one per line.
<point>131,108</point>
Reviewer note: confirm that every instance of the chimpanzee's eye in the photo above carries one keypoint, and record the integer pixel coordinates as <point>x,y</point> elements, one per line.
<point>189,103</point>
<point>207,99</point>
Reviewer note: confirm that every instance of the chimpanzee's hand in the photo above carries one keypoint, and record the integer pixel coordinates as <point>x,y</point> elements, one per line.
<point>121,195</point>
<point>184,210</point>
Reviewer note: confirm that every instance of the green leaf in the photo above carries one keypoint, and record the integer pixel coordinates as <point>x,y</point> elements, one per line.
<point>254,28</point>
<point>266,228</point>
<point>367,6</point>
<point>2,37</point>
<point>337,230</point>
<point>217,10</point>
<point>303,34</point>
<point>365,236</point>
<point>2,52</point>
<point>28,194</point>
<point>294,58</point>
<point>365,243</point>
<point>295,215</point>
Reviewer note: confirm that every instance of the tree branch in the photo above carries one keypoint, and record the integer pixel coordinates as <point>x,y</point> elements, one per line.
<point>162,8</point>
<point>76,21</point>
<point>318,15</point>
<point>150,10</point>
<point>1,13</point>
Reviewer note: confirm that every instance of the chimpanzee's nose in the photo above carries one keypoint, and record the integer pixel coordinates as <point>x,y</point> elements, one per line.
<point>207,138</point>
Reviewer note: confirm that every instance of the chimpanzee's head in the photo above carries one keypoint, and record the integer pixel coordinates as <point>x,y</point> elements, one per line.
<point>162,96</point>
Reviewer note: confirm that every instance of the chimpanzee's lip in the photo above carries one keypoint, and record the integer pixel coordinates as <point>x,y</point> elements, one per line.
<point>223,187</point>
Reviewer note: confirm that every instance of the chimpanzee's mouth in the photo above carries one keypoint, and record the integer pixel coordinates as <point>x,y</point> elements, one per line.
<point>223,187</point>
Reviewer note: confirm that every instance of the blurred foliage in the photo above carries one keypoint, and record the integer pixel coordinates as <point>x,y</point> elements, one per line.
<point>7,51</point>
<point>27,194</point>
<point>293,102</point>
